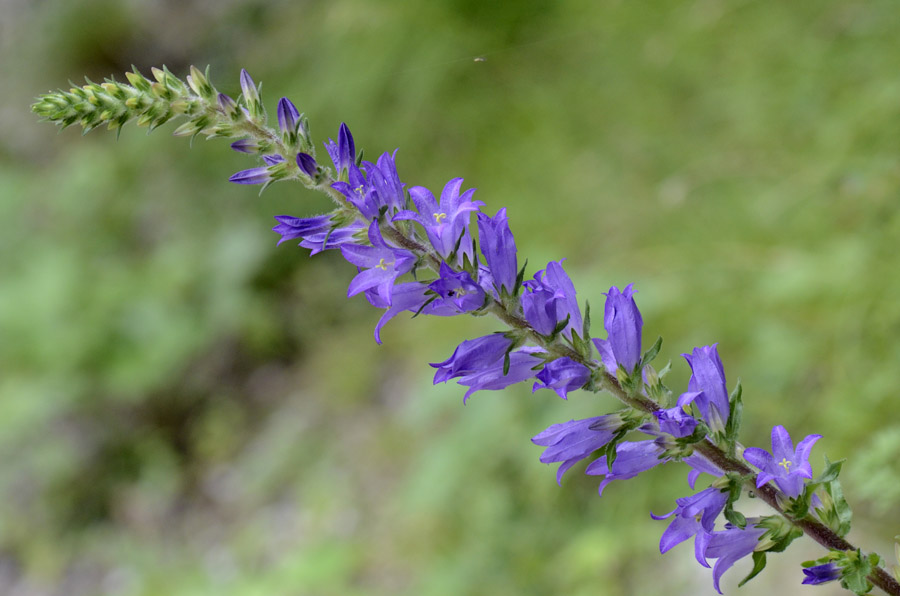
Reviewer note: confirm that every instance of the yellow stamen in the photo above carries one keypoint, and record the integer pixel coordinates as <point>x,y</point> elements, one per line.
<point>784,463</point>
<point>439,217</point>
<point>382,265</point>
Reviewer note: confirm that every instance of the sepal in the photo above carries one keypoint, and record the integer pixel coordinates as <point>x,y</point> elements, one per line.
<point>834,510</point>
<point>733,425</point>
<point>759,563</point>
<point>650,354</point>
<point>733,483</point>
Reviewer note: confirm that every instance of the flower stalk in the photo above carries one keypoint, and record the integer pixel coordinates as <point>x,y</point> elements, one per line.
<point>390,232</point>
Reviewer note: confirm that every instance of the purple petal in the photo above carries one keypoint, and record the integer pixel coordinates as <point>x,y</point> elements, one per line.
<point>782,446</point>
<point>287,115</point>
<point>251,176</point>
<point>245,146</point>
<point>307,164</point>
<point>802,456</point>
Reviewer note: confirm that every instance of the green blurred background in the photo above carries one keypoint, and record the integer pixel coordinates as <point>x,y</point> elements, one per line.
<point>186,409</point>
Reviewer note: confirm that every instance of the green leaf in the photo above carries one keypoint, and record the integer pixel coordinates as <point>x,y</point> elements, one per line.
<point>759,563</point>
<point>855,579</point>
<point>735,517</point>
<point>831,472</point>
<point>611,451</point>
<point>844,516</point>
<point>520,277</point>
<point>586,325</point>
<point>733,426</point>
<point>650,354</point>
<point>560,325</point>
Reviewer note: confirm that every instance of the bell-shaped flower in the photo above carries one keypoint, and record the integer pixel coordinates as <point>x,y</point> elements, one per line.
<point>406,296</point>
<point>385,183</point>
<point>820,574</point>
<point>229,106</point>
<point>329,239</point>
<point>380,265</point>
<point>695,516</point>
<point>358,192</point>
<point>245,146</point>
<point>707,387</point>
<point>499,249</point>
<point>473,356</point>
<point>550,298</point>
<point>571,442</point>
<point>457,289</point>
<point>729,546</point>
<point>259,175</point>
<point>623,323</point>
<point>342,153</point>
<point>447,222</point>
<point>248,87</point>
<point>700,465</point>
<point>522,366</point>
<point>307,164</point>
<point>562,375</point>
<point>374,189</point>
<point>675,422</point>
<point>288,116</point>
<point>291,227</point>
<point>785,465</point>
<point>632,458</point>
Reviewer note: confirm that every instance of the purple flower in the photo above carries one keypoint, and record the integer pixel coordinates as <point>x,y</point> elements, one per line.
<point>374,189</point>
<point>342,153</point>
<point>296,227</point>
<point>307,164</point>
<point>522,365</point>
<point>380,265</point>
<point>549,298</point>
<point>445,223</point>
<point>472,356</point>
<point>699,465</point>
<point>288,116</point>
<point>786,466</point>
<point>623,324</point>
<point>358,192</point>
<point>675,422</point>
<point>707,387</point>
<point>571,442</point>
<point>820,574</point>
<point>251,176</point>
<point>227,104</point>
<point>384,181</point>
<point>562,375</point>
<point>730,545</point>
<point>499,249</point>
<point>457,290</point>
<point>632,458</point>
<point>245,146</point>
<point>694,516</point>
<point>409,296</point>
<point>329,239</point>
<point>248,87</point>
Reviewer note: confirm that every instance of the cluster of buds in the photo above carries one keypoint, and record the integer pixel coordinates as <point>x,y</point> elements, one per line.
<point>417,253</point>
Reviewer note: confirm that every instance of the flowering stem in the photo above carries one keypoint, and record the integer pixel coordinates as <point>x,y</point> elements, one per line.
<point>216,115</point>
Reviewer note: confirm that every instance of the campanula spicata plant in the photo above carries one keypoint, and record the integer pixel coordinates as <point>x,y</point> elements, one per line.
<point>429,256</point>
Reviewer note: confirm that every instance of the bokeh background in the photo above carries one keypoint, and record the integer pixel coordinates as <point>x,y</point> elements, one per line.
<point>186,409</point>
